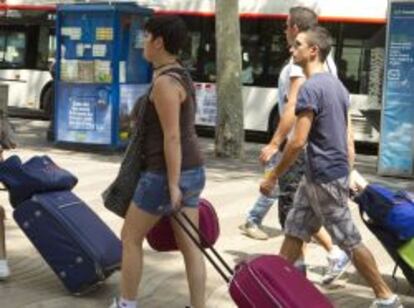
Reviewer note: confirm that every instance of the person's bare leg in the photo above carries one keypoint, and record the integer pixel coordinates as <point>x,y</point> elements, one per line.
<point>4,267</point>
<point>136,226</point>
<point>291,248</point>
<point>3,254</point>
<point>365,263</point>
<point>324,239</point>
<point>193,259</point>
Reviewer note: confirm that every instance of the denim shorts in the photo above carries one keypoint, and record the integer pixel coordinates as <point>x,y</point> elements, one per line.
<point>152,193</point>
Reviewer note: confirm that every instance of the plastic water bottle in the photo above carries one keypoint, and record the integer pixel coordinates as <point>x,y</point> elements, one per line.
<point>268,168</point>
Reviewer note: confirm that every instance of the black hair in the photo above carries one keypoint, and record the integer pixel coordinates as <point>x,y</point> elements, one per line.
<point>171,29</point>
<point>303,17</point>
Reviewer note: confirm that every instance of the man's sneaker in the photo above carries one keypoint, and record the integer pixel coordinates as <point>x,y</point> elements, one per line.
<point>115,303</point>
<point>254,231</point>
<point>393,302</point>
<point>4,270</point>
<point>336,267</point>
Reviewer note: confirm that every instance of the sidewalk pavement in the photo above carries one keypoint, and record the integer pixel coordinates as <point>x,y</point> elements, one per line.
<point>232,187</point>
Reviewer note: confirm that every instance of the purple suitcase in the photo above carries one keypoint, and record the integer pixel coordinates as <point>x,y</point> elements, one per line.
<point>161,236</point>
<point>267,281</point>
<point>79,247</point>
<point>271,281</point>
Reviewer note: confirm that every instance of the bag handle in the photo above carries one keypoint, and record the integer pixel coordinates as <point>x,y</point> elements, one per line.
<point>222,262</point>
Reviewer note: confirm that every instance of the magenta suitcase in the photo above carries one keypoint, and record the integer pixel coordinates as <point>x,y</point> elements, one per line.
<point>161,236</point>
<point>267,281</point>
<point>271,281</point>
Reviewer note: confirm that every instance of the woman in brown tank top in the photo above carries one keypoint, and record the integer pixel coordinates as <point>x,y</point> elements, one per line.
<point>173,168</point>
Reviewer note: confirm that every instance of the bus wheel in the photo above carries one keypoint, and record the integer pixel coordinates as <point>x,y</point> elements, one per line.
<point>273,122</point>
<point>47,102</point>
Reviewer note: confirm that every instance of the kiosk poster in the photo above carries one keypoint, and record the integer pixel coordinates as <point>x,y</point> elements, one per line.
<point>206,97</point>
<point>84,115</point>
<point>129,94</point>
<point>396,156</point>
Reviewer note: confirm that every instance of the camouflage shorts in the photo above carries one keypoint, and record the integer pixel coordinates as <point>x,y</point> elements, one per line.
<point>288,184</point>
<point>323,204</point>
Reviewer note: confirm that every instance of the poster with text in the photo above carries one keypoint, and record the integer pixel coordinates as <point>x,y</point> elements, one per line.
<point>206,97</point>
<point>396,156</point>
<point>84,114</point>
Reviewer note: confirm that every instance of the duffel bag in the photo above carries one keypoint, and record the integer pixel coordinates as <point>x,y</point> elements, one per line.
<point>161,237</point>
<point>392,210</point>
<point>39,174</point>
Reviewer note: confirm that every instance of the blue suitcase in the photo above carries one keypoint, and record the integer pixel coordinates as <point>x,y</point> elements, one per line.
<point>72,239</point>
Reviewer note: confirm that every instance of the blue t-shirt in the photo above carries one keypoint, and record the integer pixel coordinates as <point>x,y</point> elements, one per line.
<point>327,150</point>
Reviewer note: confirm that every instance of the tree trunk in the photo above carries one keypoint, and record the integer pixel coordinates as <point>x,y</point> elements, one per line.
<point>229,130</point>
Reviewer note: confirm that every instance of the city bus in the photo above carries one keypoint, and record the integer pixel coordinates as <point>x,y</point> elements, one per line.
<point>358,30</point>
<point>357,27</point>
<point>27,47</point>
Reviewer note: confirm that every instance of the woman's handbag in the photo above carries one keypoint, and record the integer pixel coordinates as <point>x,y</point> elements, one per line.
<point>118,195</point>
<point>161,237</point>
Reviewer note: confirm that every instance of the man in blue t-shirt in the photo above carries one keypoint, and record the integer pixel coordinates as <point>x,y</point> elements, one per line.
<point>322,195</point>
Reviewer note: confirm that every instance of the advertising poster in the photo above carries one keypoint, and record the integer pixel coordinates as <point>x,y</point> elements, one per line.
<point>396,156</point>
<point>206,96</point>
<point>129,94</point>
<point>84,114</point>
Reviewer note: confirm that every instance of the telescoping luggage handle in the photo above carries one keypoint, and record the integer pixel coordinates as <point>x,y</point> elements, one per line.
<point>218,267</point>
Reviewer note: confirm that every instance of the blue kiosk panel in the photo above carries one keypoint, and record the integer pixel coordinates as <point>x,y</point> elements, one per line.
<point>396,155</point>
<point>100,71</point>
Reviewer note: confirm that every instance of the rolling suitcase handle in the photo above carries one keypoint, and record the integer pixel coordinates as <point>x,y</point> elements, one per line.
<point>218,267</point>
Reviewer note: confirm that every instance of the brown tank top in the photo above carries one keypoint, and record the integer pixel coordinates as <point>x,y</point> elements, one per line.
<point>153,144</point>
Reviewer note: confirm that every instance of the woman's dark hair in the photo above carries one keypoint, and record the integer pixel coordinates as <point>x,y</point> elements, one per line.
<point>171,29</point>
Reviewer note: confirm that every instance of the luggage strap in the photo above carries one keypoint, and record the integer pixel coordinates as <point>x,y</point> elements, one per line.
<point>221,266</point>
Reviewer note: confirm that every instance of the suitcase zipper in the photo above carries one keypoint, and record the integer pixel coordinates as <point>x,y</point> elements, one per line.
<point>67,205</point>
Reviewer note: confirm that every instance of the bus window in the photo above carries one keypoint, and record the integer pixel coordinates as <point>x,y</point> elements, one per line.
<point>348,65</point>
<point>264,51</point>
<point>199,54</point>
<point>52,48</point>
<point>352,68</point>
<point>43,48</point>
<point>12,49</point>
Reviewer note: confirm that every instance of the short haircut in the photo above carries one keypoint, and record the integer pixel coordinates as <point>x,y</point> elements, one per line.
<point>303,17</point>
<point>171,29</point>
<point>320,37</point>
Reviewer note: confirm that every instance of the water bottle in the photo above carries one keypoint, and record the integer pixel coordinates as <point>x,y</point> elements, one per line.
<point>268,168</point>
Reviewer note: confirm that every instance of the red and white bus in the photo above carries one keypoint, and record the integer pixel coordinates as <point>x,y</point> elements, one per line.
<point>27,46</point>
<point>358,30</point>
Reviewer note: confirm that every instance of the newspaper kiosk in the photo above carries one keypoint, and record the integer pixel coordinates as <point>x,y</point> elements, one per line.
<point>100,71</point>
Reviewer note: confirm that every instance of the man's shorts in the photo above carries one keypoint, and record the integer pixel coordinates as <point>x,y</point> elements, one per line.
<point>152,193</point>
<point>323,204</point>
<point>288,184</point>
